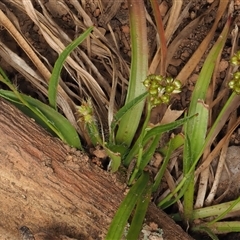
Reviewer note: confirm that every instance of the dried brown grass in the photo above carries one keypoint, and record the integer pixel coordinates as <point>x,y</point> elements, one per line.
<point>96,67</point>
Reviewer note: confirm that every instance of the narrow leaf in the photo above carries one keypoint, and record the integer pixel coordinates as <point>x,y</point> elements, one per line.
<point>57,123</point>
<point>118,116</point>
<point>124,211</point>
<point>139,215</point>
<point>53,82</point>
<point>139,67</point>
<point>155,131</point>
<point>174,143</point>
<point>166,127</point>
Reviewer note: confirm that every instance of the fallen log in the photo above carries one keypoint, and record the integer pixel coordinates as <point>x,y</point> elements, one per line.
<point>54,190</point>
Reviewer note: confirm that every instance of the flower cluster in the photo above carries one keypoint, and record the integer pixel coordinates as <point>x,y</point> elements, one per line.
<point>86,112</point>
<point>160,88</point>
<point>235,60</point>
<point>234,83</point>
<point>88,122</point>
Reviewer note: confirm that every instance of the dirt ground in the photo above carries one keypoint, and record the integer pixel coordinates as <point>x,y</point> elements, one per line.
<point>113,19</point>
<point>119,23</point>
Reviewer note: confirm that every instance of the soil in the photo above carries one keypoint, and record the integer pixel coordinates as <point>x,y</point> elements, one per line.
<point>114,20</point>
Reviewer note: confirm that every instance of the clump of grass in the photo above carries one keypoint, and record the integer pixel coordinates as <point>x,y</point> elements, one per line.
<point>146,90</point>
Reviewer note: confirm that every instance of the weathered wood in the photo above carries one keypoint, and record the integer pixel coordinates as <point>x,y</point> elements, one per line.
<point>53,189</point>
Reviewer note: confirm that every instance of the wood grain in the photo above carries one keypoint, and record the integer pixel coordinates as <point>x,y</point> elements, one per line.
<point>52,189</point>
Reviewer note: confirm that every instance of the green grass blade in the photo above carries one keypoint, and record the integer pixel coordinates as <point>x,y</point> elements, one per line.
<point>221,227</point>
<point>227,211</point>
<point>143,159</point>
<point>139,215</point>
<point>27,111</point>
<point>151,132</point>
<point>124,211</point>
<point>51,118</point>
<point>5,77</point>
<point>149,152</point>
<point>139,67</point>
<point>166,127</point>
<point>127,107</point>
<point>173,144</point>
<point>196,128</point>
<point>53,82</point>
<point>196,137</point>
<point>216,210</point>
<point>181,187</point>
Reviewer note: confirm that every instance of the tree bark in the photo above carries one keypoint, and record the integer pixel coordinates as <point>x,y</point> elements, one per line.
<point>55,190</point>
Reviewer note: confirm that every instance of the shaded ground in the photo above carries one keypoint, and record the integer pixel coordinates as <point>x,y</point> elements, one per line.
<point>112,20</point>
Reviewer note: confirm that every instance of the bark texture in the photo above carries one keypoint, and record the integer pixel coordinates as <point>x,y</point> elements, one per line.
<point>55,190</point>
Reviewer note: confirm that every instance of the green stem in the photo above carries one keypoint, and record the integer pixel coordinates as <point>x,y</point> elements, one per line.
<point>140,144</point>
<point>188,199</point>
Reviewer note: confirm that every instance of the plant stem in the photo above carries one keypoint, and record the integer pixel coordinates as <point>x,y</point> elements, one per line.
<point>140,152</point>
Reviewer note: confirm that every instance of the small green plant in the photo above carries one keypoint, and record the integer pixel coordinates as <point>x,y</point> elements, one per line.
<point>125,147</point>
<point>152,91</point>
<point>46,116</point>
<point>197,140</point>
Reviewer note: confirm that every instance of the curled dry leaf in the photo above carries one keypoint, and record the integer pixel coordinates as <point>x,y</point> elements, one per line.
<point>171,115</point>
